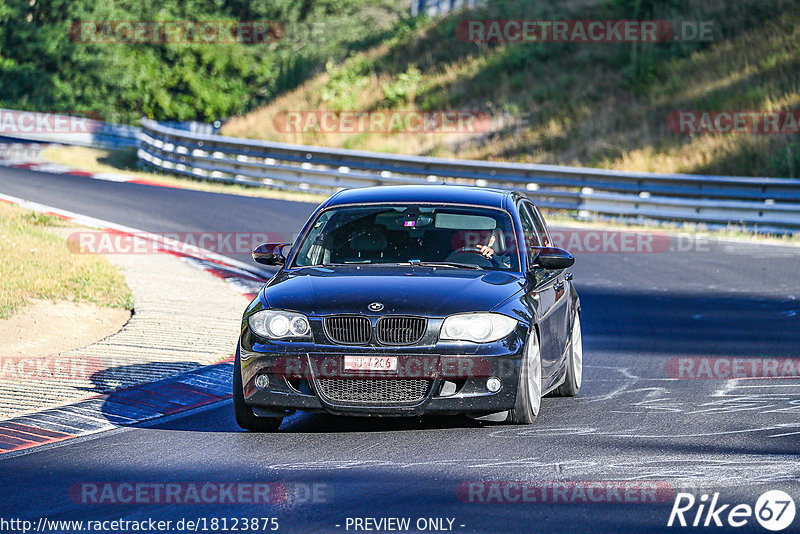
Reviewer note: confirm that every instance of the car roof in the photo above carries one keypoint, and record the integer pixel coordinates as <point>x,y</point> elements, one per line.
<point>423,194</point>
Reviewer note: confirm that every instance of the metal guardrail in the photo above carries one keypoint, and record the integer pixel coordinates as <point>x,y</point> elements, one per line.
<point>771,204</point>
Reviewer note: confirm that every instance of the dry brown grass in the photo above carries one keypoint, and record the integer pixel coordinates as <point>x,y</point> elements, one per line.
<point>581,107</point>
<point>35,263</point>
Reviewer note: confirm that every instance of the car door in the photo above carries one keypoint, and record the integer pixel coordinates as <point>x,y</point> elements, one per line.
<point>543,298</point>
<point>561,308</point>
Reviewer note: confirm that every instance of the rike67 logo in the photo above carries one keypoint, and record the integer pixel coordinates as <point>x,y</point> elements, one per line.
<point>774,510</point>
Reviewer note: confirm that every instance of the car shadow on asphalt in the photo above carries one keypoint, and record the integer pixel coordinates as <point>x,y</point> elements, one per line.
<point>220,419</point>
<point>111,379</point>
<point>318,423</point>
<point>139,392</point>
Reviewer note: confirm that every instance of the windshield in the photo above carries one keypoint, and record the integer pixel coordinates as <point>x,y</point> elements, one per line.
<point>411,234</point>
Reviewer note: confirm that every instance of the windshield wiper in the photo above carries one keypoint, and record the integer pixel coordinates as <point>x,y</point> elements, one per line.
<point>452,264</point>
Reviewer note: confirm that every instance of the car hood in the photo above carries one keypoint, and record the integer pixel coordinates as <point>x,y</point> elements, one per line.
<point>409,290</point>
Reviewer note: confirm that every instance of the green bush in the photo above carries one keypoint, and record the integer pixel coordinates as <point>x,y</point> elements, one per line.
<point>42,68</point>
<point>785,161</point>
<point>341,91</point>
<point>404,90</point>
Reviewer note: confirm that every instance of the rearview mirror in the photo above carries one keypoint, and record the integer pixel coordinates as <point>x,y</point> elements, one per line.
<point>270,254</point>
<point>553,258</point>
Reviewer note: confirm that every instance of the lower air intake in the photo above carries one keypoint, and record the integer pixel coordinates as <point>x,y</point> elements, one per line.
<point>381,391</point>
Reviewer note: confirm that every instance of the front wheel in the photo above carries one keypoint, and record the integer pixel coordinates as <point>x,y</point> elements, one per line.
<point>529,388</point>
<point>572,382</point>
<point>245,417</point>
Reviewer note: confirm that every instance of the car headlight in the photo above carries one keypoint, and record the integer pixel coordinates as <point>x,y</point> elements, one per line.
<point>278,324</point>
<point>477,327</point>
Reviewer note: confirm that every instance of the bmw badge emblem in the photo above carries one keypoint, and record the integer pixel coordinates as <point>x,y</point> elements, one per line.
<point>375,306</point>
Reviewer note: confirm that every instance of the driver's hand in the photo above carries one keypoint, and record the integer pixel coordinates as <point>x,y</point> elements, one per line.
<point>486,251</point>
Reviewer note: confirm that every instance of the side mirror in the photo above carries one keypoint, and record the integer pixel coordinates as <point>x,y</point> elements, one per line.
<point>270,254</point>
<point>552,258</point>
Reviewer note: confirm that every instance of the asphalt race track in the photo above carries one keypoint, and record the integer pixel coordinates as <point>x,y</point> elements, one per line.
<point>642,314</point>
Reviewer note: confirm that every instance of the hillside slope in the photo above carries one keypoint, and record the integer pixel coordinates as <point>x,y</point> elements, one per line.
<point>604,105</point>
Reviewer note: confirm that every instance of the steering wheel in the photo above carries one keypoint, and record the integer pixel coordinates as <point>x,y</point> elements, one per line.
<point>474,250</point>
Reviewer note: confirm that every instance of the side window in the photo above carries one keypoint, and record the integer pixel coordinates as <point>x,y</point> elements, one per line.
<point>313,252</point>
<point>528,229</point>
<point>541,227</point>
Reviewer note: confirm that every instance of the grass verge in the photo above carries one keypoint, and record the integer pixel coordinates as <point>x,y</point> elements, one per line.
<point>35,263</point>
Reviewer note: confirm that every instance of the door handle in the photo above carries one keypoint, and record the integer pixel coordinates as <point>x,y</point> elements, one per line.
<point>568,276</point>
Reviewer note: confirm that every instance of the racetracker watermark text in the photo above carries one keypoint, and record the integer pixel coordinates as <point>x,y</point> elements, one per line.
<point>114,242</point>
<point>176,31</point>
<point>55,367</point>
<point>627,242</point>
<point>721,368</point>
<point>584,31</point>
<point>112,493</point>
<point>62,122</point>
<point>454,368</point>
<point>388,122</point>
<point>734,122</point>
<point>565,492</point>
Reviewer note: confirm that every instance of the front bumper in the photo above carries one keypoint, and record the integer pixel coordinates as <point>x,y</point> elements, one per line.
<point>455,376</point>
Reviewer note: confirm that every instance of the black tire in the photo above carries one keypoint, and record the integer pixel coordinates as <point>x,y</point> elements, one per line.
<point>572,382</point>
<point>245,417</point>
<point>529,401</point>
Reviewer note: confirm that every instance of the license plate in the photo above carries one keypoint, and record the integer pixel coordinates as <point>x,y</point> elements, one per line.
<point>370,363</point>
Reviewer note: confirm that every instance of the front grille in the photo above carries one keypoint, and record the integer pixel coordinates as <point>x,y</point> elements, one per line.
<point>373,391</point>
<point>401,330</point>
<point>348,330</point>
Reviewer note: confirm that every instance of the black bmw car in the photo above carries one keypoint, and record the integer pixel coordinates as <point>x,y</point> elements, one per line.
<point>410,300</point>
